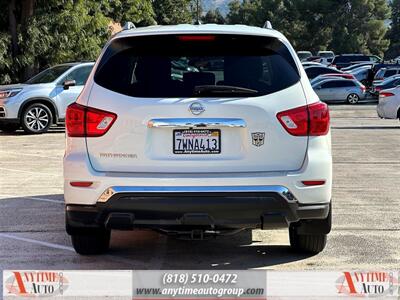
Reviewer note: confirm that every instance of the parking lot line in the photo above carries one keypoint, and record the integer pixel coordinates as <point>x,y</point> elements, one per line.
<point>28,240</point>
<point>31,172</point>
<point>119,259</point>
<point>29,154</point>
<point>13,197</point>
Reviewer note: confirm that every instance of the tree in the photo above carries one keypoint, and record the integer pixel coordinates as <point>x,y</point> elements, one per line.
<point>168,12</point>
<point>339,25</point>
<point>394,32</point>
<point>245,12</point>
<point>213,16</point>
<point>35,34</point>
<point>359,27</point>
<point>307,24</point>
<point>137,11</point>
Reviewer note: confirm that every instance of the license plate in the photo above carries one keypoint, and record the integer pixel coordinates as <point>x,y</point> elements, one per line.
<point>197,141</point>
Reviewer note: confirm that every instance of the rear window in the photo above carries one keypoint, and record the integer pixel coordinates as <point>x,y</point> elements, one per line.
<point>346,84</point>
<point>325,54</point>
<point>338,84</point>
<point>389,73</point>
<point>196,66</point>
<point>49,75</point>
<point>316,71</point>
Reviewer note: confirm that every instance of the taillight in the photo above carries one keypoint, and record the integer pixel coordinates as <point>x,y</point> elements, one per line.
<point>312,120</point>
<point>385,94</point>
<point>188,38</point>
<point>83,121</point>
<point>81,183</point>
<point>363,88</point>
<point>313,182</point>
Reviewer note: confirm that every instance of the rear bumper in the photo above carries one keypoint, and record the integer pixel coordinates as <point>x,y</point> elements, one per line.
<point>268,208</point>
<point>387,109</point>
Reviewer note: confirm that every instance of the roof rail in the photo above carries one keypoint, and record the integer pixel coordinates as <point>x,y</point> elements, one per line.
<point>128,25</point>
<point>267,25</point>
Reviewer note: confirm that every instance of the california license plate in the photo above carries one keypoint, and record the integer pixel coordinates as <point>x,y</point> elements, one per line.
<point>197,141</point>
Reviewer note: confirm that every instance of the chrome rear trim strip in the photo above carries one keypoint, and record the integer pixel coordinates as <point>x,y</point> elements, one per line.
<point>196,123</point>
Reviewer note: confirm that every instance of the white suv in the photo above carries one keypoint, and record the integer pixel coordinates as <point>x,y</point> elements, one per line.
<point>198,130</point>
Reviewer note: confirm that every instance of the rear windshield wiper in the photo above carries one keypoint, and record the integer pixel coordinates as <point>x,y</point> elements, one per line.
<point>222,90</point>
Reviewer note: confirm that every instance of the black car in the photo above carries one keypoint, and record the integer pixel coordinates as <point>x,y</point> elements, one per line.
<point>314,71</point>
<point>345,60</point>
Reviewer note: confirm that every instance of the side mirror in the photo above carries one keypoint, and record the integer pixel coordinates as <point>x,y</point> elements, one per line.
<point>68,83</point>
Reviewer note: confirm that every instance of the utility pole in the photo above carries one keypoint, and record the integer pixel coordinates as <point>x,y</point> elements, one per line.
<point>198,22</point>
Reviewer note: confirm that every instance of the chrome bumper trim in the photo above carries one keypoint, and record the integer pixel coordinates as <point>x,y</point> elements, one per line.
<point>196,123</point>
<point>283,191</point>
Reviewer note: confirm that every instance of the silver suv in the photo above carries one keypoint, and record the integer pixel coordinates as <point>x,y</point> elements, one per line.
<point>42,101</point>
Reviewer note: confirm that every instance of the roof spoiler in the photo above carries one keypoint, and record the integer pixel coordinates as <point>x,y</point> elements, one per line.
<point>267,25</point>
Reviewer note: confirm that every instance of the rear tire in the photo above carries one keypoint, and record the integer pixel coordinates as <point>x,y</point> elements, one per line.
<point>97,242</point>
<point>9,128</point>
<point>308,243</point>
<point>353,99</point>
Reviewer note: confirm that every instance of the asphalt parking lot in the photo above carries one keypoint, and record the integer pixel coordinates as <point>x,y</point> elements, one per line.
<point>366,203</point>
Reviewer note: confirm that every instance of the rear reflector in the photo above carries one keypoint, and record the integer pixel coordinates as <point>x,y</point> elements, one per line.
<point>313,182</point>
<point>312,120</point>
<point>186,38</point>
<point>385,94</point>
<point>81,183</point>
<point>82,121</point>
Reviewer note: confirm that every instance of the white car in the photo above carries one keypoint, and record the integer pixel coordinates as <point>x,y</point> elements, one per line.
<point>243,142</point>
<point>326,57</point>
<point>304,54</point>
<point>389,103</point>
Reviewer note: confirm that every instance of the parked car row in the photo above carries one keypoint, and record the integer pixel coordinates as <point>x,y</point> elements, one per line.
<point>349,84</point>
<point>328,58</point>
<point>331,84</point>
<point>351,77</point>
<point>323,57</point>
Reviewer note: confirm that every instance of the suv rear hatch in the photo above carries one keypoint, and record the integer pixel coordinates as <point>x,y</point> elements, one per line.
<point>198,103</point>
